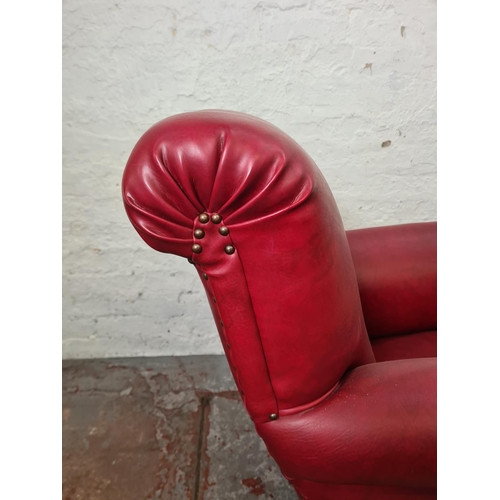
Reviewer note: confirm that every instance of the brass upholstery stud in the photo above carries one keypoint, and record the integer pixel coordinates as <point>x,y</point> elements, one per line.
<point>196,248</point>
<point>223,230</point>
<point>273,416</point>
<point>222,323</point>
<point>205,276</point>
<point>216,218</point>
<point>199,233</point>
<point>215,300</point>
<point>190,260</point>
<point>228,346</point>
<point>203,218</point>
<point>229,249</point>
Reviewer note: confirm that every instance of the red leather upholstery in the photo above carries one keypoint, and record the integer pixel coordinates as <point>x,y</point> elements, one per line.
<point>406,346</point>
<point>284,294</point>
<point>366,432</point>
<point>396,271</point>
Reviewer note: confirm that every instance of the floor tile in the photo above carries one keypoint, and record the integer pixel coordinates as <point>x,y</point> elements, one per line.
<point>170,428</point>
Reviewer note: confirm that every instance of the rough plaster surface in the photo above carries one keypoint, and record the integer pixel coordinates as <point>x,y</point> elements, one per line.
<point>353,82</point>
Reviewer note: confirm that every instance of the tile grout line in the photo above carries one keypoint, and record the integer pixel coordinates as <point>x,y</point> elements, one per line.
<point>203,405</point>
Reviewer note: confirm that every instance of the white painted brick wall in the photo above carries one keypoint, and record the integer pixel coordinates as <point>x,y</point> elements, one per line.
<point>339,77</point>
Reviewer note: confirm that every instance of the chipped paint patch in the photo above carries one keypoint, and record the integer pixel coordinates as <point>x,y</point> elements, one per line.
<point>255,485</point>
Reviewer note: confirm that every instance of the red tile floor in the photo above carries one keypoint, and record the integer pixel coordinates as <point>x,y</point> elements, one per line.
<point>169,428</point>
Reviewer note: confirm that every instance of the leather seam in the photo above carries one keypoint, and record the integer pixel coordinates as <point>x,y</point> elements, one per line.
<point>402,334</point>
<point>313,404</point>
<point>258,331</point>
<point>255,320</point>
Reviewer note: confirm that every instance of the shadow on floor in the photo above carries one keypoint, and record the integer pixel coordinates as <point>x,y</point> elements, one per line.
<point>170,428</point>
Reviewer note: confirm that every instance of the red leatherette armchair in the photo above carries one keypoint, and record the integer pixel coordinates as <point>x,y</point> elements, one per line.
<point>330,336</point>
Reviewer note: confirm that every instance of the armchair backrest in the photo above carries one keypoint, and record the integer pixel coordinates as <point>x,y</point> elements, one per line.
<point>279,275</point>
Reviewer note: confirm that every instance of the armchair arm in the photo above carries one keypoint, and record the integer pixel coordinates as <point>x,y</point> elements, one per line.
<point>397,279</point>
<point>378,428</point>
<point>251,210</point>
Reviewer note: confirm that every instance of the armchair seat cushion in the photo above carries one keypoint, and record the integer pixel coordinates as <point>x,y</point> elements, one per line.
<point>409,346</point>
<point>378,428</point>
<point>326,491</point>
